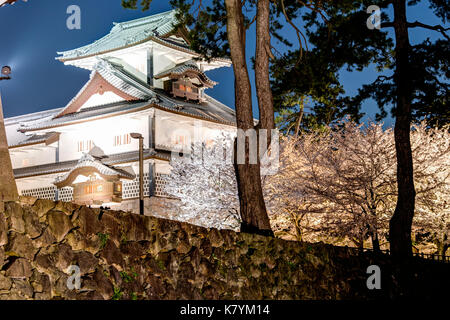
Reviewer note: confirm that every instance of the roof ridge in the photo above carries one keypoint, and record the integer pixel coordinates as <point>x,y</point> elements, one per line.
<point>143,20</point>
<point>166,16</point>
<point>123,75</point>
<point>87,160</point>
<point>23,117</point>
<point>211,99</point>
<point>105,105</point>
<point>184,67</point>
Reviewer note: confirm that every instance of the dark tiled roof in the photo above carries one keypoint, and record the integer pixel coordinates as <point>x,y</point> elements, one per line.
<point>34,139</point>
<point>127,33</point>
<point>65,166</point>
<point>154,28</point>
<point>88,160</point>
<point>209,110</point>
<point>87,113</point>
<point>184,67</point>
<point>116,74</point>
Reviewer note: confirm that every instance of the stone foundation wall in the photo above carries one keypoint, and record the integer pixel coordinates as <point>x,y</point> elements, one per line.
<point>154,206</point>
<point>127,256</point>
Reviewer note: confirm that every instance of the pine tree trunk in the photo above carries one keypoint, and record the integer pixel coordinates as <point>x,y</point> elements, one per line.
<point>300,117</point>
<point>401,222</point>
<point>444,251</point>
<point>263,89</point>
<point>375,242</point>
<point>252,206</point>
<point>442,247</point>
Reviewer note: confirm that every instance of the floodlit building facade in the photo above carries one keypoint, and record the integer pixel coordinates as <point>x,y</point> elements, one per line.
<point>144,79</point>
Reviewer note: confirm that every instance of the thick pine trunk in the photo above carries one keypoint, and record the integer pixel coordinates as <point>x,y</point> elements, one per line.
<point>252,207</point>
<point>401,222</point>
<point>262,65</point>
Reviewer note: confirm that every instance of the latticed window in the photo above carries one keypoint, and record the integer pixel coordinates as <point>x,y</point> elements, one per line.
<point>185,89</point>
<point>41,193</point>
<point>89,189</point>
<point>131,188</point>
<point>64,194</point>
<point>160,184</point>
<point>122,140</point>
<point>85,145</point>
<point>179,140</point>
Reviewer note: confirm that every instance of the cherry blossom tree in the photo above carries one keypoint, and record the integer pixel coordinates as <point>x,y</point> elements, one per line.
<point>341,183</point>
<point>205,183</point>
<point>337,182</point>
<point>431,155</point>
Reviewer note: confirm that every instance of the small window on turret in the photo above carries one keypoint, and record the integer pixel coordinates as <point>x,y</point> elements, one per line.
<point>184,88</point>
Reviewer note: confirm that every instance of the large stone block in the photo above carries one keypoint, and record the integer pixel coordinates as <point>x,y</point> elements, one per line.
<point>136,227</point>
<point>112,255</point>
<point>24,288</point>
<point>22,246</point>
<point>103,285</point>
<point>67,207</point>
<point>5,283</point>
<point>45,239</point>
<point>59,224</point>
<point>86,261</point>
<point>33,227</point>
<point>19,269</point>
<point>64,257</point>
<point>42,206</point>
<point>111,225</point>
<point>27,201</point>
<point>88,221</point>
<point>14,213</point>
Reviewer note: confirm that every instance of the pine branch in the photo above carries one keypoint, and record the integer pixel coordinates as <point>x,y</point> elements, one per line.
<point>437,28</point>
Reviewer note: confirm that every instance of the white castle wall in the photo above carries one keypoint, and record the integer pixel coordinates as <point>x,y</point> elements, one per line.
<point>102,133</point>
<point>173,129</point>
<point>32,156</point>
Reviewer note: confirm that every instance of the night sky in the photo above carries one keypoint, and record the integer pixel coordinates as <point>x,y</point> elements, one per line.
<point>31,33</point>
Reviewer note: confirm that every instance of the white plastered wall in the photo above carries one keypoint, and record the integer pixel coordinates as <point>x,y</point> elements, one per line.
<point>171,129</point>
<point>34,155</point>
<point>102,133</point>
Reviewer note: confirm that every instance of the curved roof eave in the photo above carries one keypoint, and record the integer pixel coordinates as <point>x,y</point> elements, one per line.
<point>60,168</point>
<point>145,107</point>
<point>71,176</point>
<point>158,40</point>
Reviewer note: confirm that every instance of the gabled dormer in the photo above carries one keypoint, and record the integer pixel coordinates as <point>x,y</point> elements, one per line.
<point>109,83</point>
<point>186,81</point>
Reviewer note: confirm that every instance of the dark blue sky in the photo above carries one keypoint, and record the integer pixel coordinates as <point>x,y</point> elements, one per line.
<point>31,33</point>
